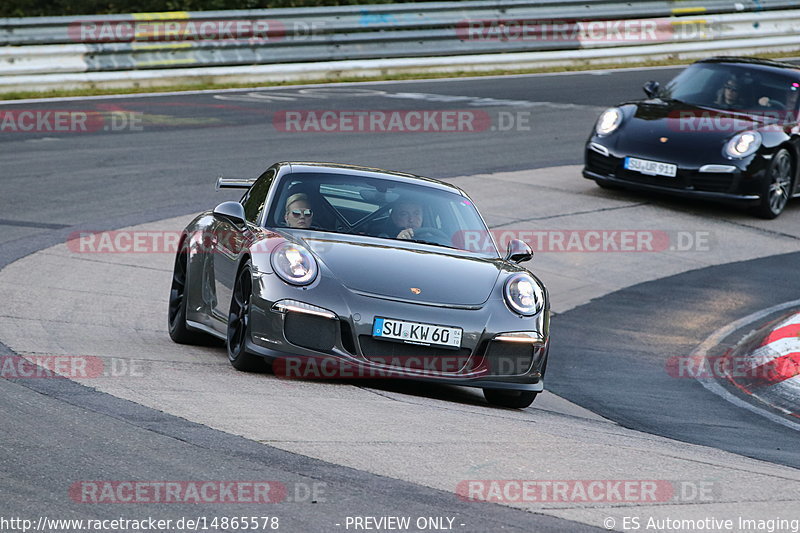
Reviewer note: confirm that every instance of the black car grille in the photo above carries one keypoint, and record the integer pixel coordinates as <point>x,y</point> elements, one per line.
<point>678,182</point>
<point>698,181</point>
<point>413,356</point>
<point>509,358</point>
<point>309,331</point>
<point>600,164</point>
<point>706,181</point>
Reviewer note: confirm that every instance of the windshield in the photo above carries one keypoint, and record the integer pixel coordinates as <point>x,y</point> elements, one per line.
<point>381,208</point>
<point>736,87</point>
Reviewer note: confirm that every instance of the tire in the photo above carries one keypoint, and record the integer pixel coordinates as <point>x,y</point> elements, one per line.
<point>514,399</point>
<point>777,188</point>
<point>176,317</point>
<point>238,322</point>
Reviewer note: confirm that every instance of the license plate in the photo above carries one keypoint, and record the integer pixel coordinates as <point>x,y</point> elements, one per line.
<point>651,168</point>
<point>416,332</point>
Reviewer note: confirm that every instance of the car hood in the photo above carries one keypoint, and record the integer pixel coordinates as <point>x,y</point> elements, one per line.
<point>423,274</point>
<point>654,128</point>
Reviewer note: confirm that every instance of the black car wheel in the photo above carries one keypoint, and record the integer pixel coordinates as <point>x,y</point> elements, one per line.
<point>777,186</point>
<point>515,399</point>
<point>176,318</point>
<point>238,321</point>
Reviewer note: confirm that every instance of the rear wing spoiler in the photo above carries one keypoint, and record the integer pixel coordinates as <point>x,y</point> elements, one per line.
<point>234,183</point>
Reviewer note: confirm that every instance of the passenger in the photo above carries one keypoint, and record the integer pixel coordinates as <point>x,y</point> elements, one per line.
<point>298,211</point>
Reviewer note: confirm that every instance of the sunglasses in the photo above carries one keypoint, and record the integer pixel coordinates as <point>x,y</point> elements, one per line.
<point>732,88</point>
<point>301,213</point>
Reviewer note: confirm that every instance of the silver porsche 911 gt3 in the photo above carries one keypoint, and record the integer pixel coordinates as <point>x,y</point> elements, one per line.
<point>368,271</point>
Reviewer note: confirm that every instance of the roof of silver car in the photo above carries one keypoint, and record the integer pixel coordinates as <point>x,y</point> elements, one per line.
<point>340,168</point>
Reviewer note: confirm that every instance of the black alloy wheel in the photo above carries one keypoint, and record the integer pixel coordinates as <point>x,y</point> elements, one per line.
<point>238,323</point>
<point>777,187</point>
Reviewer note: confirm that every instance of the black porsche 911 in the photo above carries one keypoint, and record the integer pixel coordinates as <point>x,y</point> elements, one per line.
<point>724,129</point>
<point>366,268</point>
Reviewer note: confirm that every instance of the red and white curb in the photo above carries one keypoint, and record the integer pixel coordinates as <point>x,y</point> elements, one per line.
<point>771,371</point>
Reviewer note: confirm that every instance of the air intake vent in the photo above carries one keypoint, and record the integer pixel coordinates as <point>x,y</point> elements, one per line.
<point>509,358</point>
<point>309,331</point>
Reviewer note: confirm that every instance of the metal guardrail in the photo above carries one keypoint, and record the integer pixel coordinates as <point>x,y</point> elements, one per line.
<point>356,18</point>
<point>184,40</point>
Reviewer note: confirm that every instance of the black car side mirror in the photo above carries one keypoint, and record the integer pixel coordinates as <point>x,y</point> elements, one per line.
<point>518,251</point>
<point>651,88</point>
<point>231,211</point>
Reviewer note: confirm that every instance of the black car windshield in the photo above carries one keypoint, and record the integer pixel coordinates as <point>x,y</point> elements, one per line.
<point>377,207</point>
<point>736,87</point>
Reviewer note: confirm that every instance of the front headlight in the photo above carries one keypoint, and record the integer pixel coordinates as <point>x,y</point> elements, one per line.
<point>523,294</point>
<point>294,264</point>
<point>609,121</point>
<point>743,144</point>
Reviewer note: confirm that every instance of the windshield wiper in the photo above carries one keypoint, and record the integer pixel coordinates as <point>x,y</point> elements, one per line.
<point>422,241</point>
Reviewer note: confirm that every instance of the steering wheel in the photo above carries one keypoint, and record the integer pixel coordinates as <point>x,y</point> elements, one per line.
<point>427,233</point>
<point>772,104</point>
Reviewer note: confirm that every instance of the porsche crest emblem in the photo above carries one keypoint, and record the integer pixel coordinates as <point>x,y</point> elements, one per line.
<point>664,139</point>
<point>416,290</point>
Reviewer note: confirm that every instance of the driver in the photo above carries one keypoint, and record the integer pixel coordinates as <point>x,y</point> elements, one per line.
<point>731,93</point>
<point>406,216</point>
<point>298,211</point>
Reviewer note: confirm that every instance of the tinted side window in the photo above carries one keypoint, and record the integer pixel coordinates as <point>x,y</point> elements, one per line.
<point>253,200</point>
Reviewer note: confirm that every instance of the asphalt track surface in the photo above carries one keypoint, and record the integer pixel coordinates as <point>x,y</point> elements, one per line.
<point>613,361</point>
<point>99,180</point>
<point>608,355</point>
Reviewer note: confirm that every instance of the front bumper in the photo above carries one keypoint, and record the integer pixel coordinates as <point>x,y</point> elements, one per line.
<point>746,199</point>
<point>298,342</point>
<point>742,185</point>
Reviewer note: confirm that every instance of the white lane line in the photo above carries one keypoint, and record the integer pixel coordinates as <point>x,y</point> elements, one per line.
<point>716,337</point>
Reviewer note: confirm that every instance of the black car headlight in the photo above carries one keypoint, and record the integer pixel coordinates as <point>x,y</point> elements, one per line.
<point>743,144</point>
<point>294,264</point>
<point>523,295</point>
<point>609,121</point>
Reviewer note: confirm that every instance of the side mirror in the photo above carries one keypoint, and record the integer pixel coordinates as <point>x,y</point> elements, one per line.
<point>651,88</point>
<point>231,211</point>
<point>518,251</point>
